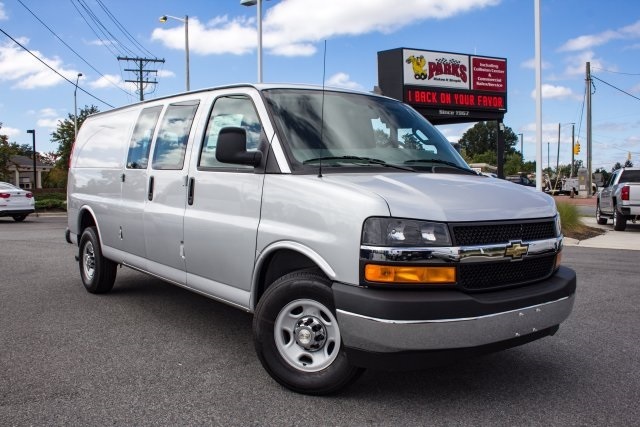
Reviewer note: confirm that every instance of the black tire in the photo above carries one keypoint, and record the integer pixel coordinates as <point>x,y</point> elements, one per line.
<point>602,220</point>
<point>19,218</point>
<point>619,220</point>
<point>98,273</point>
<point>297,337</point>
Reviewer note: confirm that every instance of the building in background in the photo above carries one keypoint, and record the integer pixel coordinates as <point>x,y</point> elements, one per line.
<point>21,172</point>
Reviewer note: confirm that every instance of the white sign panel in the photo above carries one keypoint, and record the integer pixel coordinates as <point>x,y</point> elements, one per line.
<point>439,69</point>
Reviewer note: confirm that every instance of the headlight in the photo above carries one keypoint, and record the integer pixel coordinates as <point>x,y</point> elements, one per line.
<point>558,225</point>
<point>389,232</point>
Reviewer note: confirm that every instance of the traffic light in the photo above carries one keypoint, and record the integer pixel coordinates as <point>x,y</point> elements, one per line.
<point>576,148</point>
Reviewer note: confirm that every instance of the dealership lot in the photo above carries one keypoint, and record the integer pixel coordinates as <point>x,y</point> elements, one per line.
<point>153,354</point>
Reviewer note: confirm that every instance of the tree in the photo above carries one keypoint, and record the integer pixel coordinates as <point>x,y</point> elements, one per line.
<point>605,174</point>
<point>483,137</point>
<point>6,151</point>
<point>64,135</point>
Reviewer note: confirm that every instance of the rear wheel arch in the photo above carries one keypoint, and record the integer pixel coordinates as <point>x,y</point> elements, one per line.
<point>86,219</point>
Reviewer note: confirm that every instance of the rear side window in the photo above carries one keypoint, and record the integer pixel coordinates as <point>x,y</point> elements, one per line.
<point>171,142</point>
<point>138,156</point>
<point>237,111</point>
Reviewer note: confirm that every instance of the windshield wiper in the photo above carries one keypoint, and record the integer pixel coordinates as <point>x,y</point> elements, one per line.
<point>369,161</point>
<point>442,162</point>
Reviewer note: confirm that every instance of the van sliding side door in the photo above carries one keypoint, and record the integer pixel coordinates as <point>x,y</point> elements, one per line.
<point>222,216</point>
<point>134,187</point>
<point>165,193</point>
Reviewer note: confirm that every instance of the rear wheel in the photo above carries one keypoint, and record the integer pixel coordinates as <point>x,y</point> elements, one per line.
<point>297,336</point>
<point>19,218</point>
<point>98,273</point>
<point>619,220</point>
<point>602,220</point>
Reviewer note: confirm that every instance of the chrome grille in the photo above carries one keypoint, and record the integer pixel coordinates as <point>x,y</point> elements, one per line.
<point>492,275</point>
<point>470,234</point>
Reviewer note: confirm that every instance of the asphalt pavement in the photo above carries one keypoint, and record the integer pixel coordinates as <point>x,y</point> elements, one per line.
<point>150,353</point>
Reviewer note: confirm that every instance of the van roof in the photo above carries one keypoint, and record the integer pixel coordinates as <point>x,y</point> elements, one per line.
<point>257,86</point>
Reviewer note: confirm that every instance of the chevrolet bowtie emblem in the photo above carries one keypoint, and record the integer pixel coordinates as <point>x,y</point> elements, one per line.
<point>516,250</point>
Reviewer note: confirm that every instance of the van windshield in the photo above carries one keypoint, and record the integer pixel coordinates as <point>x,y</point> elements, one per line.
<point>358,130</point>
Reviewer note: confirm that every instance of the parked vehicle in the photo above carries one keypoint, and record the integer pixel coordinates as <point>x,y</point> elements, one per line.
<point>16,202</point>
<point>520,179</point>
<point>344,221</point>
<point>570,186</point>
<point>620,198</point>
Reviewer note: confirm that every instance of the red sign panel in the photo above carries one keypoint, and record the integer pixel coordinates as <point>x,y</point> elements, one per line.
<point>488,74</point>
<point>454,99</point>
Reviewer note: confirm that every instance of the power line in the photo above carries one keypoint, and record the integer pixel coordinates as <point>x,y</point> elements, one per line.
<point>110,38</point>
<point>54,70</point>
<point>123,29</point>
<point>615,72</point>
<point>616,88</point>
<point>106,44</point>
<point>70,48</point>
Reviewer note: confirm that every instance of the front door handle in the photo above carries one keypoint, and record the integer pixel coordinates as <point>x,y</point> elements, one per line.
<point>150,193</point>
<point>192,187</point>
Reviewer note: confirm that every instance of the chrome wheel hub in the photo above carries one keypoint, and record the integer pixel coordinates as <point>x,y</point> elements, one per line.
<point>89,261</point>
<point>306,335</point>
<point>310,333</point>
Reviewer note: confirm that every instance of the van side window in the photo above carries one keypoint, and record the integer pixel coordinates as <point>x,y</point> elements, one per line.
<point>173,136</point>
<point>238,111</point>
<point>138,156</point>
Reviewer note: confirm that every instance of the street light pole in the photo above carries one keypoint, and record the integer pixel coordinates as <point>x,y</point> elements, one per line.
<point>75,109</point>
<point>521,149</point>
<point>259,18</point>
<point>35,179</point>
<point>185,20</point>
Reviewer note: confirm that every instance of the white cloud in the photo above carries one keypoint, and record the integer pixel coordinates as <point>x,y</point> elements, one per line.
<point>10,132</point>
<point>166,73</point>
<point>292,27</point>
<point>19,66</point>
<point>636,88</point>
<point>48,112</point>
<point>3,14</point>
<point>554,92</point>
<point>531,63</point>
<point>576,64</point>
<point>111,80</point>
<point>343,80</point>
<point>48,123</point>
<point>589,41</point>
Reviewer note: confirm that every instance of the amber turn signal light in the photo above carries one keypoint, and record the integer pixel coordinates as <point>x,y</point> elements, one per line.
<point>410,274</point>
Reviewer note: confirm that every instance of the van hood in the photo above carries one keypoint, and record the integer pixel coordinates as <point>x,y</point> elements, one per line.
<point>451,197</point>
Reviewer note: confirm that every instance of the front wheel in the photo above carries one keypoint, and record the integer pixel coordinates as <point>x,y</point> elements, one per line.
<point>602,220</point>
<point>97,272</point>
<point>619,220</point>
<point>297,336</point>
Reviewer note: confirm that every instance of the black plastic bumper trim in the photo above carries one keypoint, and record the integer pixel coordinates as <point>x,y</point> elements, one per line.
<point>432,304</point>
<point>410,360</point>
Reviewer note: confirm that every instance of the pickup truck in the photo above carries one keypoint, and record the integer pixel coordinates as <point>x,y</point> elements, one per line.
<point>620,198</point>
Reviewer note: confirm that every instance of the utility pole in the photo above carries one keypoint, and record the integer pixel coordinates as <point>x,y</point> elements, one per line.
<point>558,156</point>
<point>589,147</point>
<point>573,144</point>
<point>143,75</point>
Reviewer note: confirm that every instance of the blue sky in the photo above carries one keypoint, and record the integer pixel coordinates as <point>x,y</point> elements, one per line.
<point>223,42</point>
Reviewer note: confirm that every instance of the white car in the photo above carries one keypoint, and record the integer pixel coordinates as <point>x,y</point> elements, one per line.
<point>16,202</point>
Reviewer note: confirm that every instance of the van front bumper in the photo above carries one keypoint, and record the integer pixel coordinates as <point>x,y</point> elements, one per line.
<point>387,322</point>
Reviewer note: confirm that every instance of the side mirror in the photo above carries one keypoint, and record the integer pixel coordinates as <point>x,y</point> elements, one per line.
<point>232,148</point>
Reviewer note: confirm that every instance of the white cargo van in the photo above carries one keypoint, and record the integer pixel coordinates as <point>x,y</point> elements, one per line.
<point>344,221</point>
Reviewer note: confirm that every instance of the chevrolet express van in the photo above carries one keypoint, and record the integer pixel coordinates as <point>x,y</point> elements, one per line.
<point>344,221</point>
